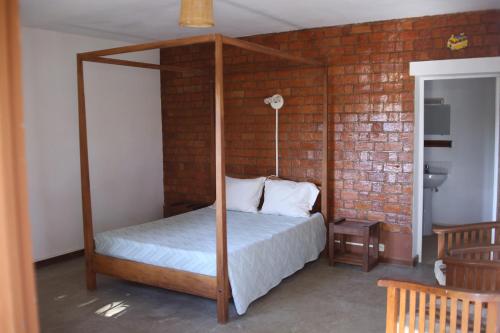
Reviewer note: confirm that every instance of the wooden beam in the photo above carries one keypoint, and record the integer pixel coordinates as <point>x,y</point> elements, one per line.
<point>18,311</point>
<point>212,129</point>
<point>130,63</point>
<point>269,51</point>
<point>150,46</point>
<point>324,162</point>
<point>220,184</point>
<point>88,232</point>
<point>168,278</point>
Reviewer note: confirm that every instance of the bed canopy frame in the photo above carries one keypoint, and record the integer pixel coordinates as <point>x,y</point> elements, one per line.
<point>217,287</point>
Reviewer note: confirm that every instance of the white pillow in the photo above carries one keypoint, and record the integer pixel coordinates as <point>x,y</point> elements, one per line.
<point>243,194</point>
<point>284,197</point>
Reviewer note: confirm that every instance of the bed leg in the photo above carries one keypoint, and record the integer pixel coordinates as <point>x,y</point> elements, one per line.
<point>90,276</point>
<point>222,307</point>
<point>91,280</point>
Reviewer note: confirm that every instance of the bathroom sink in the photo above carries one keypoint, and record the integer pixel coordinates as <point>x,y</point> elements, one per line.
<point>433,180</point>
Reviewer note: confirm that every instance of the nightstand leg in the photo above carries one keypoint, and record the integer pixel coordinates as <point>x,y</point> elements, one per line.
<point>366,250</point>
<point>331,246</point>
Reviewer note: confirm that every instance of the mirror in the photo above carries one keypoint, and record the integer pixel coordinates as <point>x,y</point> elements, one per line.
<point>437,119</point>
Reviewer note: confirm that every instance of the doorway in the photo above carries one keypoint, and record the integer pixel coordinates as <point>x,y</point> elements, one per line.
<point>444,83</point>
<point>459,155</point>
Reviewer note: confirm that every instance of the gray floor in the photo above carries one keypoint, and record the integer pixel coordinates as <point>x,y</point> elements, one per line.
<point>318,298</point>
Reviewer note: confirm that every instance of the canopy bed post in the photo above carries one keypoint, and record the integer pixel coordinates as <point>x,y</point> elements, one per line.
<point>88,232</point>
<point>220,185</point>
<point>211,93</point>
<point>324,162</point>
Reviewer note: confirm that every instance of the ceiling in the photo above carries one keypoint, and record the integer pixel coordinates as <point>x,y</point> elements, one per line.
<point>144,20</point>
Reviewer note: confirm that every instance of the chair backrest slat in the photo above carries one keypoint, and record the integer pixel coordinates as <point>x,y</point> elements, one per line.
<point>421,311</point>
<point>477,317</point>
<point>493,318</point>
<point>432,313</point>
<point>413,301</point>
<point>402,309</point>
<point>464,327</point>
<point>453,315</point>
<point>442,314</point>
<point>392,309</point>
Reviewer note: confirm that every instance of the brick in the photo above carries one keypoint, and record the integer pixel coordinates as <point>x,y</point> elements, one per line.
<point>378,117</point>
<point>349,195</point>
<point>361,28</point>
<point>393,127</point>
<point>376,216</point>
<point>392,208</point>
<point>393,167</point>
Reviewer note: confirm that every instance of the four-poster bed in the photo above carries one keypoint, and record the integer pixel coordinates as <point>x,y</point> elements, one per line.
<point>214,287</point>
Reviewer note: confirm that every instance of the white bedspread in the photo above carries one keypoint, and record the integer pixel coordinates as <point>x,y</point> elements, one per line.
<point>262,249</point>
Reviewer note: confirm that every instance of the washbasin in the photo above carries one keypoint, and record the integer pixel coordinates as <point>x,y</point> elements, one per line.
<point>433,180</point>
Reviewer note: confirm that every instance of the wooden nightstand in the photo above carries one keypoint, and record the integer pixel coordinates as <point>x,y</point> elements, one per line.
<point>369,231</point>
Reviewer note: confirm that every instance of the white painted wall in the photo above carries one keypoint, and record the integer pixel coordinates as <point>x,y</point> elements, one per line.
<point>125,140</point>
<point>467,194</point>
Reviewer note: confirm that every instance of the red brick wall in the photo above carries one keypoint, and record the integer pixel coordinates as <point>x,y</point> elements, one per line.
<point>187,133</point>
<point>370,104</point>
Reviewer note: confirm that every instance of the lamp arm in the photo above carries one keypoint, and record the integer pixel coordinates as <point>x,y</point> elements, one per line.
<point>276,101</point>
<point>277,142</point>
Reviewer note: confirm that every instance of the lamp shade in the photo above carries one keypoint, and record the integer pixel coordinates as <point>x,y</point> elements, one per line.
<point>196,14</point>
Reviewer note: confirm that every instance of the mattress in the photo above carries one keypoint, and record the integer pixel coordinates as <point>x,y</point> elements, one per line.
<point>263,249</point>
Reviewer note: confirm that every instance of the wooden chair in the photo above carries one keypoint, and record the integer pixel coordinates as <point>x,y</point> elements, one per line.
<point>476,268</point>
<point>457,236</point>
<point>471,255</point>
<point>414,307</point>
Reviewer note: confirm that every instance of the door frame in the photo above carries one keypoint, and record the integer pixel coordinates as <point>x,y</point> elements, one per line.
<point>18,312</point>
<point>442,70</point>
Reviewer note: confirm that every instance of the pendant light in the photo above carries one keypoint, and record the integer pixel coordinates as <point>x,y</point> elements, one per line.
<point>196,14</point>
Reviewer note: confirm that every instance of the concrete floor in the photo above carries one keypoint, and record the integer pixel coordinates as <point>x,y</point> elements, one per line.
<point>318,298</point>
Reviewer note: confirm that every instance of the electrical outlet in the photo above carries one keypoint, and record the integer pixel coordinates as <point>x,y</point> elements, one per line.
<point>381,247</point>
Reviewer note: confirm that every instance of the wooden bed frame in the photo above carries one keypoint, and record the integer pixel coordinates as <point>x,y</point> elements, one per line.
<point>471,253</point>
<point>216,288</point>
<point>404,311</point>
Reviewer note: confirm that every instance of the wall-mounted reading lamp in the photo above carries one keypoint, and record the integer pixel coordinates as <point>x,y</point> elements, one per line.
<point>276,102</point>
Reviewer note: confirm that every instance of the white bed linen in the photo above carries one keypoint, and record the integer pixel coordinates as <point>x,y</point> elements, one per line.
<point>439,266</point>
<point>262,249</point>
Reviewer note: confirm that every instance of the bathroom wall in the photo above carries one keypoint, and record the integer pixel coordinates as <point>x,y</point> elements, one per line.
<point>467,194</point>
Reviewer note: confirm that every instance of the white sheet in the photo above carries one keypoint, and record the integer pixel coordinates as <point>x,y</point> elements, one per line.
<point>262,249</point>
<point>439,266</point>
